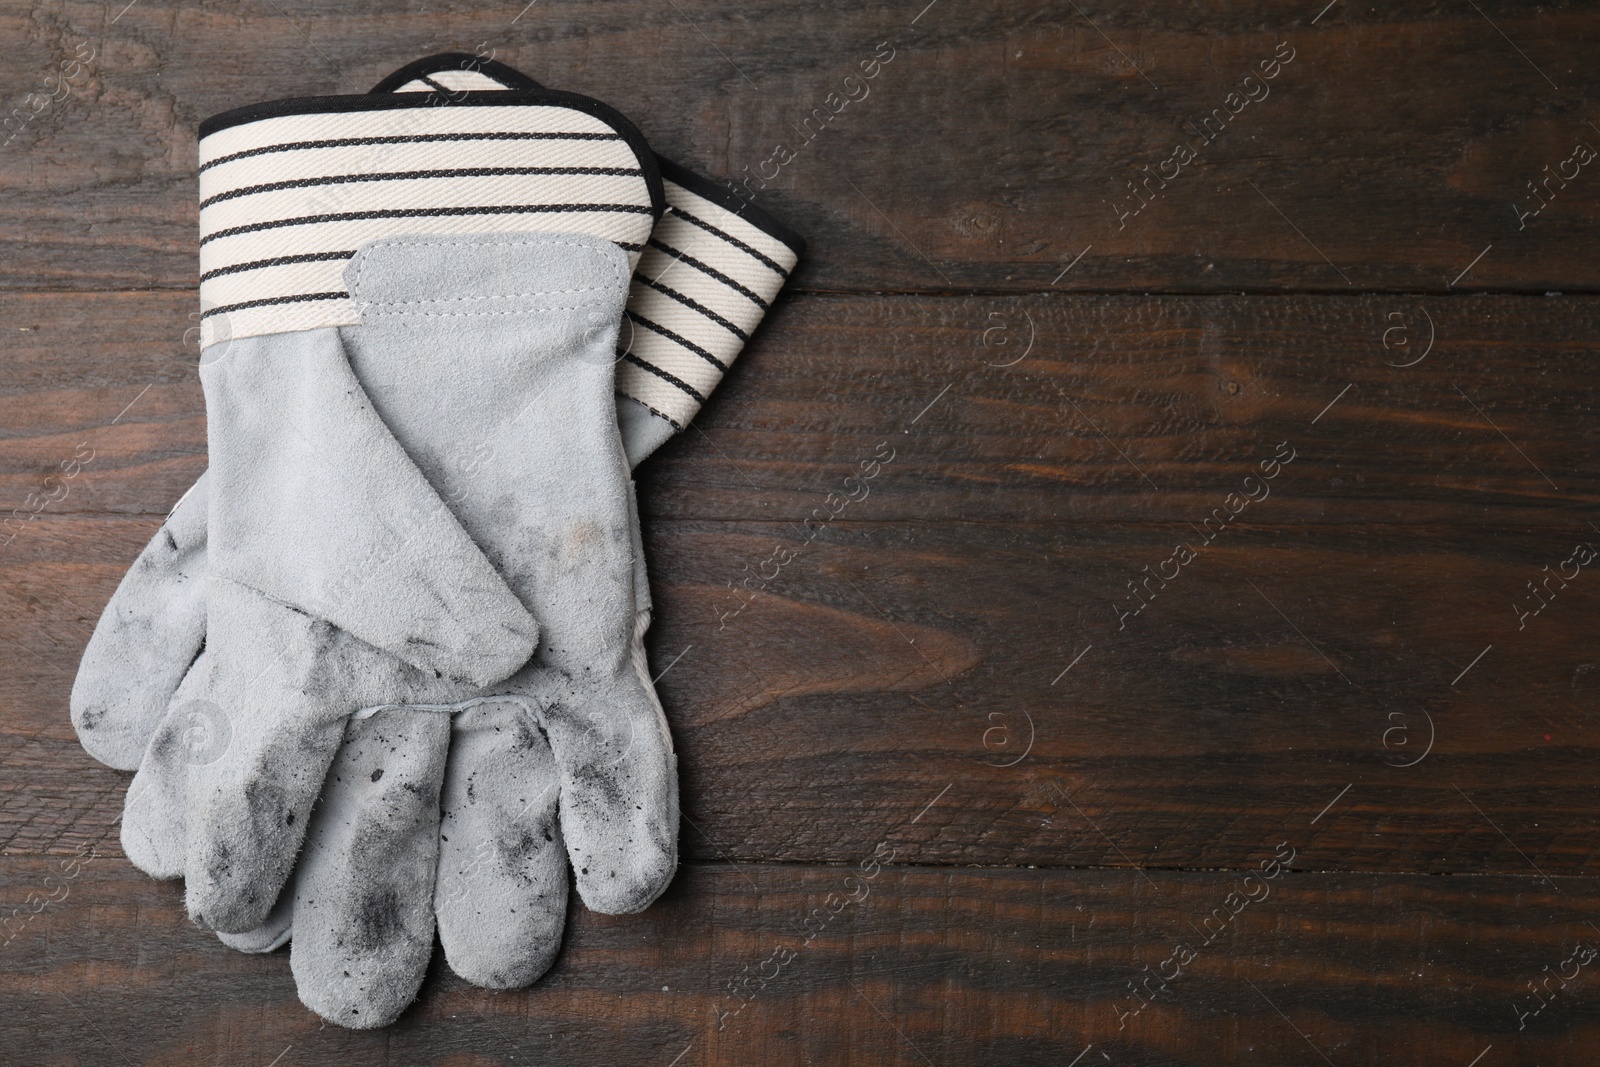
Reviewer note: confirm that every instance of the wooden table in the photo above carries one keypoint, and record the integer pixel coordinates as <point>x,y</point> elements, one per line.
<point>993,771</point>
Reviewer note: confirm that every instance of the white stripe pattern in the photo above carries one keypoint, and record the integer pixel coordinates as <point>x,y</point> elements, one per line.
<point>287,200</point>
<point>701,289</point>
<point>453,80</point>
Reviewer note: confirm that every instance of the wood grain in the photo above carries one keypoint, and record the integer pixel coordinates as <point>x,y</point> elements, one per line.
<point>996,145</point>
<point>960,664</point>
<point>1327,637</point>
<point>891,660</point>
<point>908,965</point>
<point>1124,409</point>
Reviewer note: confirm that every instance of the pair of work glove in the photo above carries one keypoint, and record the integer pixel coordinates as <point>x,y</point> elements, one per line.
<point>381,672</point>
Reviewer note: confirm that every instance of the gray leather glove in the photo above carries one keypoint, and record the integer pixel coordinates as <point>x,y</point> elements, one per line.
<point>316,514</point>
<point>373,839</point>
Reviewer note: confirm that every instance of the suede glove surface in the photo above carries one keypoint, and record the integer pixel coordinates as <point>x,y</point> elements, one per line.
<point>410,463</point>
<point>367,878</point>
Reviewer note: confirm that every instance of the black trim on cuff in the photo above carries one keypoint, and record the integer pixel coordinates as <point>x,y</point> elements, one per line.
<point>731,201</point>
<point>313,105</point>
<point>510,77</point>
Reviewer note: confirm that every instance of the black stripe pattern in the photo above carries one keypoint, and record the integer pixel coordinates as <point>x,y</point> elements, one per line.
<point>288,198</point>
<point>711,271</point>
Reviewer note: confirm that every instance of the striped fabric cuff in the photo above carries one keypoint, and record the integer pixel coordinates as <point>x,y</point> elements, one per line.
<point>291,189</point>
<point>708,274</point>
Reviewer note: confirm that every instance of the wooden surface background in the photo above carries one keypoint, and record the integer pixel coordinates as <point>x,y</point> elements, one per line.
<point>1340,694</point>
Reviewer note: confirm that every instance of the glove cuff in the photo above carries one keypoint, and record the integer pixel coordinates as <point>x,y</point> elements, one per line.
<point>290,189</point>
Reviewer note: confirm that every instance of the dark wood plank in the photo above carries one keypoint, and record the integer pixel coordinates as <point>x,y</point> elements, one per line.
<point>1124,409</point>
<point>778,964</point>
<point>890,660</point>
<point>997,144</point>
<point>914,640</point>
<point>949,672</point>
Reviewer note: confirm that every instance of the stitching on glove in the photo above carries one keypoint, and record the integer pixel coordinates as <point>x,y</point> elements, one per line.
<point>495,296</point>
<point>361,262</point>
<point>465,314</point>
<point>651,410</point>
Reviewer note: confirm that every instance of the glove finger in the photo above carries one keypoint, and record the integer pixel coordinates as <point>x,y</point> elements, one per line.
<point>194,732</point>
<point>619,776</point>
<point>150,632</point>
<point>363,898</point>
<point>278,927</point>
<point>285,683</point>
<point>619,789</point>
<point>501,895</point>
